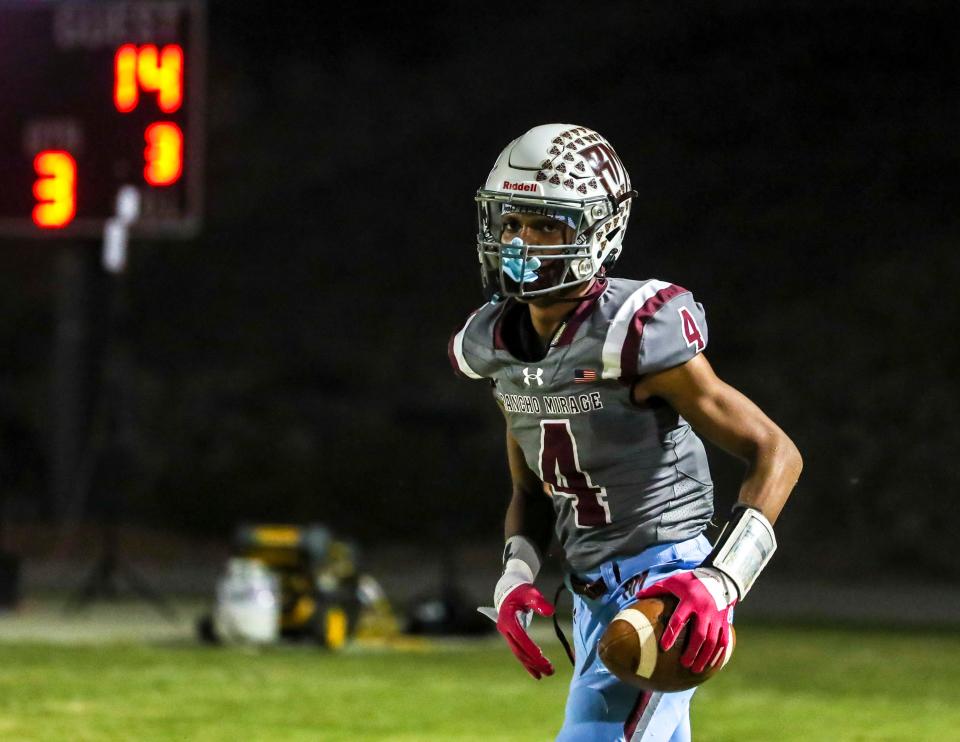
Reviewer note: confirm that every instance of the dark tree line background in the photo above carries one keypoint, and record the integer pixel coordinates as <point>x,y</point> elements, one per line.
<point>797,165</point>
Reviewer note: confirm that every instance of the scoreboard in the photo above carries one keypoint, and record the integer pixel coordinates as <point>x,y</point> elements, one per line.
<point>96,95</point>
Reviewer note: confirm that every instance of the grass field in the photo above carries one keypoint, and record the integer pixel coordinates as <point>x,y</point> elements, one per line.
<point>783,684</point>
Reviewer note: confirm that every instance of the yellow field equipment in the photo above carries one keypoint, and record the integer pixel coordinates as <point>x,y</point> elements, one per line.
<point>322,596</point>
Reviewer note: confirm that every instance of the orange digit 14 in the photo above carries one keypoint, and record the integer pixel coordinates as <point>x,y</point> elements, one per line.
<point>150,69</point>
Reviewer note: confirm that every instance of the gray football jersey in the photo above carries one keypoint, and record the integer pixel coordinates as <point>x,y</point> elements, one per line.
<point>622,476</point>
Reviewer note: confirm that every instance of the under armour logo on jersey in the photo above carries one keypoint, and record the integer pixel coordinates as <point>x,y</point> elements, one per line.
<point>536,376</point>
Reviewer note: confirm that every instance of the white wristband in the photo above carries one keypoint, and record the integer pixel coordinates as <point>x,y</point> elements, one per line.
<point>521,563</point>
<point>743,551</point>
<point>508,581</point>
<point>520,547</point>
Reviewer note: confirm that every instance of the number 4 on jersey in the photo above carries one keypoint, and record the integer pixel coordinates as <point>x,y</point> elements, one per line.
<point>691,331</point>
<point>560,468</point>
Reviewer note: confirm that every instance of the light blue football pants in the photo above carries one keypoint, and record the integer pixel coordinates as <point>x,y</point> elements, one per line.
<point>600,707</point>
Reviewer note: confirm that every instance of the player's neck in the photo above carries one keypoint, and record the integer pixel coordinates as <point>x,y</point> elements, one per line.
<point>548,314</point>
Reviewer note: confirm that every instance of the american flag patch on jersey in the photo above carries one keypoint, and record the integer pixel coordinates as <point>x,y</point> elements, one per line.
<point>584,376</point>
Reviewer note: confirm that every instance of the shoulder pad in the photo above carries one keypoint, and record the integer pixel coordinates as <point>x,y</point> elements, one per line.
<point>470,348</point>
<point>657,327</point>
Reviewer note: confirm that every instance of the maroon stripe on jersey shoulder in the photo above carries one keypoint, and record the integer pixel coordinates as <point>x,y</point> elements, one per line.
<point>582,311</point>
<point>635,713</point>
<point>630,353</point>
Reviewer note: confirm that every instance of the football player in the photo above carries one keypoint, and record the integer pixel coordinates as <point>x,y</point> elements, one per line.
<point>606,391</point>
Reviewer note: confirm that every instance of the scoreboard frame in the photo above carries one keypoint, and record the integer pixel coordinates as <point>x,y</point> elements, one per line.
<point>180,215</point>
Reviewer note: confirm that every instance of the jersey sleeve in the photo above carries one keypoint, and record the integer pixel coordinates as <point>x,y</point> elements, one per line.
<point>461,350</point>
<point>660,326</point>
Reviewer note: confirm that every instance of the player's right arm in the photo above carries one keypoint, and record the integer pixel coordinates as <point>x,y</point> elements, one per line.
<point>528,528</point>
<point>530,512</point>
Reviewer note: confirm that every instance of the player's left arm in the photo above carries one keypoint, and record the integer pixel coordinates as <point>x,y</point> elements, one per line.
<point>728,419</point>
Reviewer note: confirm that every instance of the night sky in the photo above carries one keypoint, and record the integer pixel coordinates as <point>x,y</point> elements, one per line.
<point>797,169</point>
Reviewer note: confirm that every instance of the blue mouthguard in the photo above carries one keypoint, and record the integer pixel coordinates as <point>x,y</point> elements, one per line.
<point>518,269</point>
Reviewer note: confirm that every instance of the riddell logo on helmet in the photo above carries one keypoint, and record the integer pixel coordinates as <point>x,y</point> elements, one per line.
<point>508,186</point>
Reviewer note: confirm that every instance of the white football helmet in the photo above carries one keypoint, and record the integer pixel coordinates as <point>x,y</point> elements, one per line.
<point>566,172</point>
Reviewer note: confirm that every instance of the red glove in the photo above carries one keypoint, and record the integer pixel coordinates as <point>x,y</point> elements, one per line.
<point>706,598</point>
<point>512,620</point>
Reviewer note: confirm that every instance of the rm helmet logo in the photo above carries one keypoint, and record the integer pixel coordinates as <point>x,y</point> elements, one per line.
<point>605,165</point>
<point>536,376</point>
<point>523,187</point>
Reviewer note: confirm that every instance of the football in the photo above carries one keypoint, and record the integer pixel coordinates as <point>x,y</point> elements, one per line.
<point>630,648</point>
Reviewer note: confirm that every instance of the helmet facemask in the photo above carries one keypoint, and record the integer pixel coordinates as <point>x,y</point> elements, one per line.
<point>528,271</point>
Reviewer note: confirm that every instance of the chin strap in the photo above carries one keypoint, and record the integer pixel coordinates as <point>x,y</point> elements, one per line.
<point>597,288</point>
<point>744,548</point>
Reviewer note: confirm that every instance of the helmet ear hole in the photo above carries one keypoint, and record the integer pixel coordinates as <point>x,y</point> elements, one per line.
<point>610,260</point>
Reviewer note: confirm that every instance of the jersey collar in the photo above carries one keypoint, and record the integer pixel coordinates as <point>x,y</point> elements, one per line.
<point>569,327</point>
